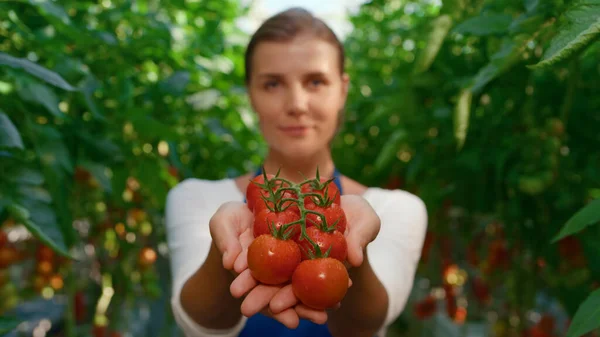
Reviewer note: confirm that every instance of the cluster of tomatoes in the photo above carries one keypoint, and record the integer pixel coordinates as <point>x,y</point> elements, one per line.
<point>299,238</point>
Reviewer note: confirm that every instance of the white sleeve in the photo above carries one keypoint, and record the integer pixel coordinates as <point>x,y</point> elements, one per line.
<point>187,214</point>
<point>395,253</point>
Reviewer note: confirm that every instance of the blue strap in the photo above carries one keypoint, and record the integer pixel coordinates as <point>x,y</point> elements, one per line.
<point>260,325</point>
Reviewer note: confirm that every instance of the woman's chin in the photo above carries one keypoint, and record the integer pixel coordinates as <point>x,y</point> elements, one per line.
<point>298,150</point>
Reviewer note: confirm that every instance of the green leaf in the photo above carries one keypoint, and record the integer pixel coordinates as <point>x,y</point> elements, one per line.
<point>531,5</point>
<point>485,24</point>
<point>504,59</point>
<point>51,148</point>
<point>9,135</point>
<point>587,317</point>
<point>39,93</point>
<point>48,234</point>
<point>462,112</point>
<point>587,216</point>
<point>579,28</point>
<point>8,324</point>
<point>28,177</point>
<point>88,86</point>
<point>36,70</point>
<point>526,23</point>
<point>99,172</point>
<point>52,9</point>
<point>36,193</point>
<point>148,127</point>
<point>441,25</point>
<point>176,83</point>
<point>389,150</point>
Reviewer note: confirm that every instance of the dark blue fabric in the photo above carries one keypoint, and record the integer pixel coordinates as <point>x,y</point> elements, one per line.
<point>260,325</point>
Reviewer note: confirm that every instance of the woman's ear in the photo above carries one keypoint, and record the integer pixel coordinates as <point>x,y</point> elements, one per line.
<point>345,87</point>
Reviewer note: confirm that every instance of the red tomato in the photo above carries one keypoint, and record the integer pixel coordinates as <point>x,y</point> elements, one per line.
<point>3,238</point>
<point>334,213</point>
<point>8,256</point>
<point>320,283</point>
<point>253,191</point>
<point>271,260</point>
<point>329,190</point>
<point>44,253</point>
<point>333,239</point>
<point>265,218</point>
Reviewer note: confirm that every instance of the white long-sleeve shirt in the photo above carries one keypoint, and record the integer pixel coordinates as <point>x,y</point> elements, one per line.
<point>393,255</point>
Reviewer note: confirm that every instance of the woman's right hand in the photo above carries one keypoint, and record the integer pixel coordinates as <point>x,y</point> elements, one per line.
<point>231,228</point>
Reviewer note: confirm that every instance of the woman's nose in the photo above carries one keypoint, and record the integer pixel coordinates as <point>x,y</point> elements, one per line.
<point>297,100</point>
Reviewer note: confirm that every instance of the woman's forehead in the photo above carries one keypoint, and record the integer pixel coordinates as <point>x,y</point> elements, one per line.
<point>300,55</point>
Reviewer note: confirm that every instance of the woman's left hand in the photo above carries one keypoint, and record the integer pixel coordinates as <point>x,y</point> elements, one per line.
<point>363,227</point>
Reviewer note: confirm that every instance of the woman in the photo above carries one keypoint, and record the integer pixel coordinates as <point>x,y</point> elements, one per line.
<point>297,86</point>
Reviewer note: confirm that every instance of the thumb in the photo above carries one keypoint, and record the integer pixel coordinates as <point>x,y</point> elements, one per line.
<point>356,244</point>
<point>226,226</point>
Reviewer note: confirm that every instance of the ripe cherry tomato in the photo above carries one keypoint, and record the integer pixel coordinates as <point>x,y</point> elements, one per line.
<point>334,214</point>
<point>8,256</point>
<point>271,260</point>
<point>320,283</point>
<point>3,238</point>
<point>44,253</point>
<point>254,192</point>
<point>266,218</point>
<point>327,191</point>
<point>333,239</point>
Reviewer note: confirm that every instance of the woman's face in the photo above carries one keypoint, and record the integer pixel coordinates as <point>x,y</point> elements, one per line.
<point>297,91</point>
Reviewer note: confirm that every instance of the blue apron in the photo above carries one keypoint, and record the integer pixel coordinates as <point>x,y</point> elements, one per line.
<point>260,325</point>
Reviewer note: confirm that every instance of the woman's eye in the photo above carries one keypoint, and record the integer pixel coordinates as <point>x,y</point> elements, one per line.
<point>316,82</point>
<point>271,84</point>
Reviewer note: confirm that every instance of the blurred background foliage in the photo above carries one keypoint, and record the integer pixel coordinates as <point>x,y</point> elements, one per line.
<point>488,110</point>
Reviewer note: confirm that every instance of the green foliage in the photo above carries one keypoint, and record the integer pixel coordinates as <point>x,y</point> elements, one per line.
<point>587,317</point>
<point>7,324</point>
<point>107,105</point>
<point>585,217</point>
<point>502,154</point>
<point>580,26</point>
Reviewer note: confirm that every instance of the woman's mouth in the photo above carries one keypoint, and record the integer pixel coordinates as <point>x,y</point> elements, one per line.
<point>295,130</point>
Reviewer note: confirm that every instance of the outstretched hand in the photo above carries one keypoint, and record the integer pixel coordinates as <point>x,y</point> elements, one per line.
<point>231,230</point>
<point>280,302</point>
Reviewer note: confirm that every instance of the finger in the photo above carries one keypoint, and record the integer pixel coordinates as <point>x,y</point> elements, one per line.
<point>242,284</point>
<point>284,299</point>
<point>241,262</point>
<point>316,316</point>
<point>257,299</point>
<point>288,317</point>
<point>355,248</point>
<point>226,225</point>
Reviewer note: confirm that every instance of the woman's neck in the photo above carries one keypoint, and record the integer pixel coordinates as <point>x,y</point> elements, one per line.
<point>297,169</point>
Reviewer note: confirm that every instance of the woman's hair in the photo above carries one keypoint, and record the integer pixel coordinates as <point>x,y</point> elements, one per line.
<point>287,25</point>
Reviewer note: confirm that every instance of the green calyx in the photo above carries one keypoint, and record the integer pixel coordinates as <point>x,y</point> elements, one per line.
<point>282,232</point>
<point>277,186</point>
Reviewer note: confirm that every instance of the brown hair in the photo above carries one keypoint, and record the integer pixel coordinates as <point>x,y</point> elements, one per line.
<point>287,25</point>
